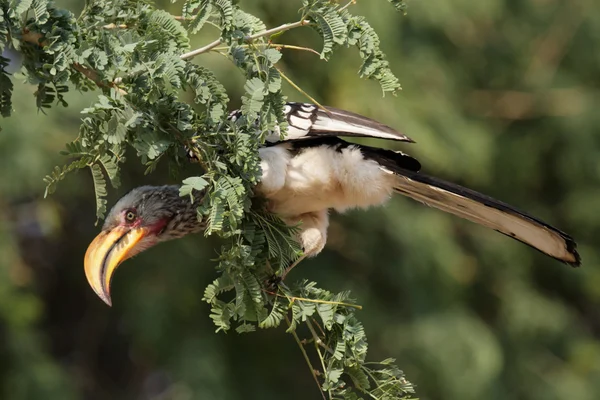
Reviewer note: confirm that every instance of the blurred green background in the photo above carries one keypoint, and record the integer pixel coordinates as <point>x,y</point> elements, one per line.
<point>501,96</point>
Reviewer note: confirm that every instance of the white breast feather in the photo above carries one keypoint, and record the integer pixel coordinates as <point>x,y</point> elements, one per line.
<point>320,178</point>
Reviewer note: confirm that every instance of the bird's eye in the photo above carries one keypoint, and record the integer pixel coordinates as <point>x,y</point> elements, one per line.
<point>130,216</point>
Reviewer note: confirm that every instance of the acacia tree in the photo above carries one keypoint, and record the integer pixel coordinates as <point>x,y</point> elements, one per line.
<point>138,58</point>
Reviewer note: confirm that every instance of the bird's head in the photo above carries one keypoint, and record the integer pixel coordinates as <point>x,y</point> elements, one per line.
<point>142,218</point>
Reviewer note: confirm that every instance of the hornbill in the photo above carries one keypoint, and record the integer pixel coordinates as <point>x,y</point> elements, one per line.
<point>305,175</point>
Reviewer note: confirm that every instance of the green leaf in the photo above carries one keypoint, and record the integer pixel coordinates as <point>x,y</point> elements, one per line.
<point>276,315</point>
<point>253,100</point>
<point>190,184</point>
<point>110,164</point>
<point>199,11</point>
<point>20,6</point>
<point>99,191</point>
<point>400,5</point>
<point>6,88</point>
<point>331,27</point>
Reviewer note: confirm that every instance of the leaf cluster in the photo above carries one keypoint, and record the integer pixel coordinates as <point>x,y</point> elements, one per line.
<point>154,100</point>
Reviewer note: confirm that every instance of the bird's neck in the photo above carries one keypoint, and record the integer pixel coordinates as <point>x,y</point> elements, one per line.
<point>185,219</point>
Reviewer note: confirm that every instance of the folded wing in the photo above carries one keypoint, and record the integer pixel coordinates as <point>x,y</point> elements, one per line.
<point>309,121</point>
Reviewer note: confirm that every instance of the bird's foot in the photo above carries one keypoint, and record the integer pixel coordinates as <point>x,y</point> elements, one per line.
<point>272,283</point>
<point>190,153</point>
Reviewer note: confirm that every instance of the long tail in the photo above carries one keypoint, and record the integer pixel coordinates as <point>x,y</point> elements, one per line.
<point>486,211</point>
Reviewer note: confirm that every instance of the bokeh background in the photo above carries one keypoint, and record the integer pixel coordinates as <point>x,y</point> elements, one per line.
<point>500,95</point>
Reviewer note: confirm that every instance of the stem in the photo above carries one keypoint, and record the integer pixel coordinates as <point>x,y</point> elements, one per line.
<point>115,26</point>
<point>312,369</point>
<point>350,3</point>
<point>318,342</point>
<point>317,338</point>
<point>268,32</point>
<point>278,46</point>
<point>201,50</point>
<point>335,303</point>
<point>298,88</point>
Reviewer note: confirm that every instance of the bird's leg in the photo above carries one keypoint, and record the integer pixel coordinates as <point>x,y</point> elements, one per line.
<point>289,269</point>
<point>312,235</point>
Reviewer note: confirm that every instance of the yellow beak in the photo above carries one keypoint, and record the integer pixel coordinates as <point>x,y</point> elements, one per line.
<point>105,253</point>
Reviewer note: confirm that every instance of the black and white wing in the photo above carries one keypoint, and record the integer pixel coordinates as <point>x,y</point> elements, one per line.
<point>309,121</point>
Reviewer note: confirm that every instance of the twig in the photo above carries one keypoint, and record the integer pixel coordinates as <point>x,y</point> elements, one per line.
<point>268,32</point>
<point>201,50</point>
<point>115,26</point>
<point>298,88</point>
<point>312,369</point>
<point>93,76</point>
<point>318,326</point>
<point>278,46</point>
<point>319,342</point>
<point>317,338</point>
<point>335,303</point>
<point>348,4</point>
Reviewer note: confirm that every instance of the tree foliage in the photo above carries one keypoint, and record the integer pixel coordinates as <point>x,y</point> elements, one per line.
<point>153,99</point>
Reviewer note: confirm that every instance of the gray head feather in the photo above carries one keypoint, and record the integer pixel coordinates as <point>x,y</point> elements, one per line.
<point>156,204</point>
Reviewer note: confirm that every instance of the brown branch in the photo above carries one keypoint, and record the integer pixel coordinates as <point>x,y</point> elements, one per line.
<point>32,37</point>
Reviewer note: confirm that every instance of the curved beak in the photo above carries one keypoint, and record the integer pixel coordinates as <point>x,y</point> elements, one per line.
<point>109,249</point>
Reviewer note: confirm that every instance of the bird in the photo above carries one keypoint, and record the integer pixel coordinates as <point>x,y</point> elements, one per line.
<point>305,174</point>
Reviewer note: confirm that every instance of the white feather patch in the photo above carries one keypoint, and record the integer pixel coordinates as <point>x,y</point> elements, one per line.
<point>320,178</point>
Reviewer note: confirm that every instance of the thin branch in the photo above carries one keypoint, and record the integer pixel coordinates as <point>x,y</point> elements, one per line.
<point>201,50</point>
<point>319,342</point>
<point>281,28</point>
<point>93,76</point>
<point>312,369</point>
<point>317,338</point>
<point>115,26</point>
<point>292,299</point>
<point>268,32</point>
<point>278,46</point>
<point>298,88</point>
<point>350,3</point>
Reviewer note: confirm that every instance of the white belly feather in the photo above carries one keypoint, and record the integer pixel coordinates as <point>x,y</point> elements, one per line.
<point>320,178</point>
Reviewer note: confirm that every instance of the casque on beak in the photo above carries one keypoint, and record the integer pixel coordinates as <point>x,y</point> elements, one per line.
<point>109,249</point>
